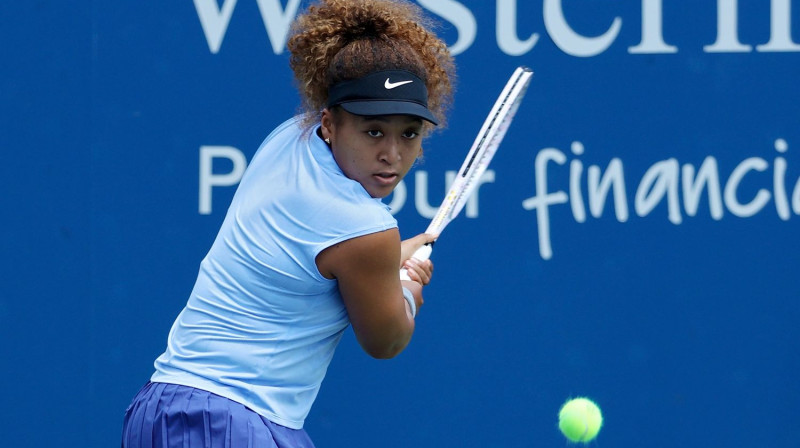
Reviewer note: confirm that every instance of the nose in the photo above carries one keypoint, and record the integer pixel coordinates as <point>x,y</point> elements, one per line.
<point>390,153</point>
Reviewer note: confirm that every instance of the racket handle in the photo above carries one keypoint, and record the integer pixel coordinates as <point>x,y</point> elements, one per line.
<point>421,254</point>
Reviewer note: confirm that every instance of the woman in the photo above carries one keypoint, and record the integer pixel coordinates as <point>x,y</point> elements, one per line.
<point>306,248</point>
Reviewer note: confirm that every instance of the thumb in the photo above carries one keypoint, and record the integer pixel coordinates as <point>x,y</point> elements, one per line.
<point>423,239</point>
<point>409,246</point>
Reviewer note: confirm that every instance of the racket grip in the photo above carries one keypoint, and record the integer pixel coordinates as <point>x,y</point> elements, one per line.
<point>421,254</point>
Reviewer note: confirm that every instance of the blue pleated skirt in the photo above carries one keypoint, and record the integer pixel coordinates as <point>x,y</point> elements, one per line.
<point>172,416</point>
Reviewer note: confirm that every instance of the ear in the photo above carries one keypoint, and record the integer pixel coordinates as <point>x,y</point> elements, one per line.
<point>326,124</point>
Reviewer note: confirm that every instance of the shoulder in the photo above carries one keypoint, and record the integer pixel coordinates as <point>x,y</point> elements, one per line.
<point>293,128</point>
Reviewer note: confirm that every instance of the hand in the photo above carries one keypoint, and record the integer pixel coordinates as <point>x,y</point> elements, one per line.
<point>419,271</point>
<point>409,246</point>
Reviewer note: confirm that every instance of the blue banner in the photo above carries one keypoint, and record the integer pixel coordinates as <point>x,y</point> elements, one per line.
<point>635,239</point>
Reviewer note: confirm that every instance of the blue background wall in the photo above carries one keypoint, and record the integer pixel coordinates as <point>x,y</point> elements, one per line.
<point>686,333</point>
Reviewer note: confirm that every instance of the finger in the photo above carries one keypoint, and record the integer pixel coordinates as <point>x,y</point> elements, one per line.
<point>416,273</point>
<point>430,237</point>
<point>424,238</point>
<point>423,271</point>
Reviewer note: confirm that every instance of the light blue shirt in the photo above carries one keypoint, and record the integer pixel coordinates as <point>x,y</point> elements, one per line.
<point>262,323</point>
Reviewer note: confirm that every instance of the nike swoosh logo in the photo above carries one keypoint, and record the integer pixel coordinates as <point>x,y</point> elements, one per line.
<point>391,85</point>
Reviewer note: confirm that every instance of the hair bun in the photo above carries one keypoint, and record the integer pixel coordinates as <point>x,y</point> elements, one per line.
<point>366,22</point>
<point>338,40</point>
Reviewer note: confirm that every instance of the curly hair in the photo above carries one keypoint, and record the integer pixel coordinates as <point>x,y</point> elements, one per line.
<point>339,40</point>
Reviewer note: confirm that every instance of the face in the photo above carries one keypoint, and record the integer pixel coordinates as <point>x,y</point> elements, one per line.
<point>376,152</point>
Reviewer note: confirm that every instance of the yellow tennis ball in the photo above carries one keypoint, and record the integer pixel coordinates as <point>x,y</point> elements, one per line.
<point>580,420</point>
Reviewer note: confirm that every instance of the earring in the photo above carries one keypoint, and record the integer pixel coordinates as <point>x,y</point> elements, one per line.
<point>327,140</point>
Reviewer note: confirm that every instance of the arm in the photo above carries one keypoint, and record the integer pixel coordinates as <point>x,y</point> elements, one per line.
<point>367,271</point>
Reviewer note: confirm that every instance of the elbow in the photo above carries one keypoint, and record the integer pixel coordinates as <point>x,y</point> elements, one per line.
<point>385,349</point>
<point>384,340</point>
<point>386,352</point>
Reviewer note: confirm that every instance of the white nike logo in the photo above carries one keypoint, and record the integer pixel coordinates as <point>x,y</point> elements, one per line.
<point>391,85</point>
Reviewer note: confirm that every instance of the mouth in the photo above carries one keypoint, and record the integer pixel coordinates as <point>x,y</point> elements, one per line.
<point>385,178</point>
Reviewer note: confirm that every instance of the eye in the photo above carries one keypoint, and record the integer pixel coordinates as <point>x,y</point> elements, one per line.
<point>374,133</point>
<point>410,134</point>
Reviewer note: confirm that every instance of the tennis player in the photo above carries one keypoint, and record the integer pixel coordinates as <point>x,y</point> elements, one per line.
<point>307,247</point>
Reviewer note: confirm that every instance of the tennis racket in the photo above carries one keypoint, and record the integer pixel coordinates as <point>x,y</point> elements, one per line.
<point>478,157</point>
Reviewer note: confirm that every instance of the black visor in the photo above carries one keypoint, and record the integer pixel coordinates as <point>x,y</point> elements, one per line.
<point>389,92</point>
